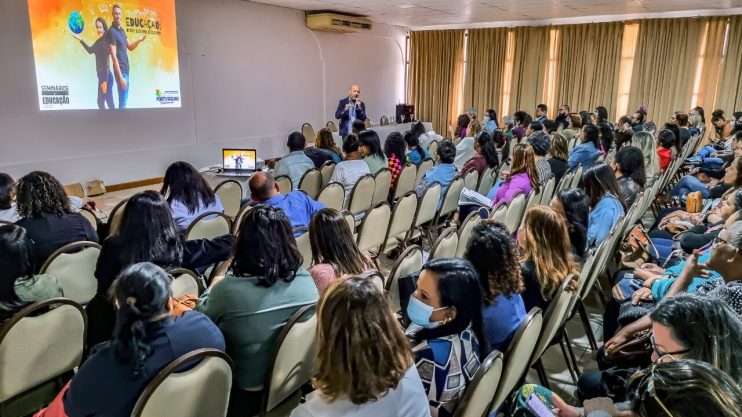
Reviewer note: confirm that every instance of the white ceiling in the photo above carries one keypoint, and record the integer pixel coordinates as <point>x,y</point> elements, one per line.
<point>424,13</point>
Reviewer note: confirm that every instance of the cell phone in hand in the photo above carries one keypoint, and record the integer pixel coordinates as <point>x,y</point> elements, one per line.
<point>537,407</point>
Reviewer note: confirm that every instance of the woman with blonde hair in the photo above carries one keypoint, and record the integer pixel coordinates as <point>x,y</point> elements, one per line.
<point>559,151</point>
<point>364,364</point>
<point>546,260</point>
<point>645,142</point>
<point>327,142</point>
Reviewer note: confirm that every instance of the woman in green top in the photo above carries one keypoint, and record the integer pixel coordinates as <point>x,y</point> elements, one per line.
<point>18,286</point>
<point>370,148</point>
<point>265,286</point>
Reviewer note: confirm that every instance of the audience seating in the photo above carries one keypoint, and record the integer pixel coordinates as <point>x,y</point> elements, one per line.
<point>382,184</point>
<point>202,390</point>
<point>478,396</point>
<point>285,185</point>
<point>311,183</point>
<point>331,126</point>
<point>403,214</point>
<point>327,169</point>
<point>425,165</point>
<point>304,246</point>
<point>185,282</point>
<point>362,195</point>
<point>368,124</point>
<point>291,363</point>
<point>350,219</point>
<point>383,121</point>
<point>90,217</point>
<point>237,223</point>
<point>486,181</point>
<point>405,181</point>
<point>39,346</point>
<point>372,232</point>
<point>471,179</point>
<point>376,276</point>
<point>230,194</point>
<point>209,225</point>
<point>433,150</point>
<point>446,244</point>
<point>74,266</point>
<point>308,131</point>
<point>576,178</point>
<point>516,209</point>
<point>548,192</point>
<point>410,261</point>
<point>332,196</point>
<point>534,198</point>
<point>114,219</point>
<point>450,202</point>
<point>427,206</point>
<point>466,229</point>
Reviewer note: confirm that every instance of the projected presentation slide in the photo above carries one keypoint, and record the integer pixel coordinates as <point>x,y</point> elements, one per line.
<point>95,54</point>
<point>238,159</point>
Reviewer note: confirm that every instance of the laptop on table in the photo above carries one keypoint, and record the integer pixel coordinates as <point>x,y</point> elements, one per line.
<point>239,162</point>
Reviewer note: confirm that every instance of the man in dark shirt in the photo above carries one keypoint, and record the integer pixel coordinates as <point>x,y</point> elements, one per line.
<point>120,46</point>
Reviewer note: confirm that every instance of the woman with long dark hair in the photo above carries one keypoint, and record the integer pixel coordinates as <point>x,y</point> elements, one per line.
<point>394,149</point>
<point>47,217</point>
<point>462,124</point>
<point>8,211</point>
<point>606,202</point>
<point>334,250</point>
<point>607,137</point>
<point>19,286</point>
<point>370,147</point>
<point>145,340</point>
<point>446,312</point>
<point>588,149</point>
<point>188,194</point>
<point>486,155</point>
<point>601,115</point>
<point>629,168</point>
<point>102,52</point>
<point>573,206</point>
<point>265,286</point>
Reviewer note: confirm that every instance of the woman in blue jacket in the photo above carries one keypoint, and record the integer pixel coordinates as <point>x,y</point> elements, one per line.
<point>587,151</point>
<point>606,202</point>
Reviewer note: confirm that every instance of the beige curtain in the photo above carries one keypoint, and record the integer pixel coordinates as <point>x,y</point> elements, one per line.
<point>485,68</point>
<point>435,74</point>
<point>665,65</point>
<point>709,69</point>
<point>588,63</point>
<point>529,68</point>
<point>729,92</point>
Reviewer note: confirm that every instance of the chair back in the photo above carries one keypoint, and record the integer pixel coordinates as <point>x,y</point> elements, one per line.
<point>565,182</point>
<point>446,244</point>
<point>74,266</point>
<point>376,276</point>
<point>499,212</point>
<point>90,217</point>
<point>486,181</point>
<point>403,215</point>
<point>311,182</point>
<point>479,394</point>
<point>40,343</point>
<point>374,227</point>
<point>409,262</point>
<point>285,185</point>
<point>517,356</point>
<point>516,208</point>
<point>332,196</point>
<point>554,317</point>
<point>350,219</point>
<point>331,126</point>
<point>471,179</point>
<point>548,192</point>
<point>308,131</point>
<point>406,180</point>
<point>292,358</point>
<point>576,178</point>
<point>209,225</point>
<point>427,204</point>
<point>304,246</point>
<point>116,216</point>
<point>382,184</point>
<point>433,150</point>
<point>237,223</point>
<point>201,390</point>
<point>368,124</point>
<point>466,229</point>
<point>327,169</point>
<point>230,194</point>
<point>424,167</point>
<point>451,199</point>
<point>384,121</point>
<point>362,195</point>
<point>185,282</point>
<point>534,197</point>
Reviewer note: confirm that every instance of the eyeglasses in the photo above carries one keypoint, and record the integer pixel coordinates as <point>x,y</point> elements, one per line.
<point>646,388</point>
<point>717,241</point>
<point>665,356</point>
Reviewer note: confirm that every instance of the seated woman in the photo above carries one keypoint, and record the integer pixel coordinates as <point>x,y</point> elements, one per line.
<point>606,202</point>
<point>573,206</point>
<point>447,331</point>
<point>353,167</point>
<point>645,142</point>
<point>624,134</point>
<point>486,155</point>
<point>673,340</point>
<point>559,151</point>
<point>19,287</point>
<point>188,194</point>
<point>574,126</point>
<point>394,149</point>
<point>145,340</point>
<point>415,152</point>
<point>147,234</point>
<point>462,125</point>
<point>628,167</point>
<point>465,147</point>
<point>8,211</point>
<point>334,251</point>
<point>587,150</point>
<point>443,173</point>
<point>265,286</point>
<point>606,137</point>
<point>370,147</point>
<point>47,216</point>
<point>540,142</point>
<point>522,178</point>
<point>364,365</point>
<point>706,180</point>
<point>327,142</point>
<point>493,253</point>
<point>546,261</point>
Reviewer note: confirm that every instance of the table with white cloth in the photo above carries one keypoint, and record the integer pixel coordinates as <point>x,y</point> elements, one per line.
<point>213,176</point>
<point>384,131</point>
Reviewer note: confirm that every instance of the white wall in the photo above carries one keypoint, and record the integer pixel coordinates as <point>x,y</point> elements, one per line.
<point>250,74</point>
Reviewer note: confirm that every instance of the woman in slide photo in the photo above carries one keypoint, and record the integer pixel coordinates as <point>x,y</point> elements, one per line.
<point>102,64</point>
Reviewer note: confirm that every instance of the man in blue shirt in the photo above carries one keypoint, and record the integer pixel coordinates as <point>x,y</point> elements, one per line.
<point>296,163</point>
<point>120,46</point>
<point>350,109</point>
<point>299,208</point>
<point>541,110</point>
<point>443,173</point>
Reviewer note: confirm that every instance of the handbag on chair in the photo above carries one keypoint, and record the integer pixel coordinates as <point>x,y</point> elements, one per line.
<point>636,249</point>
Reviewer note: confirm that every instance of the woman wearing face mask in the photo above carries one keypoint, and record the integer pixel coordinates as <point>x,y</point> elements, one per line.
<point>446,313</point>
<point>490,121</point>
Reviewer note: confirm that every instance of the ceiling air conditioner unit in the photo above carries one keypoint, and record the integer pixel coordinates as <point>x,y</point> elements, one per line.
<point>337,22</point>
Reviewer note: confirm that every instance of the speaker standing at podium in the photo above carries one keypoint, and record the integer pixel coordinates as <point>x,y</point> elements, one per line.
<point>350,109</point>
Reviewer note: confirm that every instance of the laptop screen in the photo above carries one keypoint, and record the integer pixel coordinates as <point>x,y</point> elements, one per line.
<point>239,159</point>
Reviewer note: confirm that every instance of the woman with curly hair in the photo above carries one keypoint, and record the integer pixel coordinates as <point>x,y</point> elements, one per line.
<point>47,216</point>
<point>546,260</point>
<point>492,251</point>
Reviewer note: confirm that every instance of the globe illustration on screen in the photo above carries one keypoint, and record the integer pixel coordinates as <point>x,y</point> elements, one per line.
<point>75,22</point>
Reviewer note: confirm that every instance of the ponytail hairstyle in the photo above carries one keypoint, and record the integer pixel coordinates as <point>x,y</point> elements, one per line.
<point>488,150</point>
<point>412,139</point>
<point>141,294</point>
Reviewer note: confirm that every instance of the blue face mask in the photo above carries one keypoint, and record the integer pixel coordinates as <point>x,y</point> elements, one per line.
<point>419,313</point>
